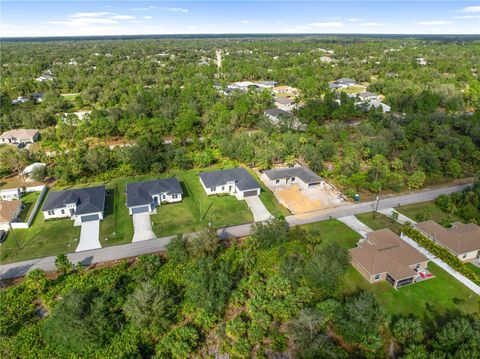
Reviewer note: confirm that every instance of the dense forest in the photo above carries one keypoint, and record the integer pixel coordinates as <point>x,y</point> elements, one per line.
<point>260,297</point>
<point>143,92</point>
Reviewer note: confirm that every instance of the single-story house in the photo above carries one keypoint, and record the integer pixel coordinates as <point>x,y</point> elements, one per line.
<point>10,194</point>
<point>242,85</point>
<point>19,136</point>
<point>80,204</point>
<point>368,96</point>
<point>377,103</point>
<point>300,175</point>
<point>286,89</point>
<point>37,96</point>
<point>326,59</point>
<point>280,117</point>
<point>27,171</point>
<point>285,103</point>
<point>462,240</point>
<point>385,256</point>
<point>9,212</point>
<point>45,77</point>
<point>342,83</point>
<point>266,84</point>
<point>145,196</point>
<point>235,181</point>
<point>19,100</point>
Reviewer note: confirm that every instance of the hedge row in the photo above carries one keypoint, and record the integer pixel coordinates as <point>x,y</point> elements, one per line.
<point>441,253</point>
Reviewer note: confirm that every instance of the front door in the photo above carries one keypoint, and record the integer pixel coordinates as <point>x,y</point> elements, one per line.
<point>72,211</point>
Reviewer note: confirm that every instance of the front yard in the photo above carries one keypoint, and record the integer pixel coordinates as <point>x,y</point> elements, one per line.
<point>379,222</point>
<point>425,211</point>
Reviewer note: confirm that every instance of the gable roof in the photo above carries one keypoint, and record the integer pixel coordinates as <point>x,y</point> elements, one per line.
<point>305,174</point>
<point>268,83</point>
<point>366,94</point>
<point>19,133</point>
<point>243,180</point>
<point>8,209</point>
<point>140,193</point>
<point>277,112</point>
<point>461,238</point>
<point>346,80</point>
<point>87,200</point>
<point>284,100</point>
<point>384,251</point>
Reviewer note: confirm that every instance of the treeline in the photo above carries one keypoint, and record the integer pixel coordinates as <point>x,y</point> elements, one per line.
<point>260,297</point>
<point>465,204</point>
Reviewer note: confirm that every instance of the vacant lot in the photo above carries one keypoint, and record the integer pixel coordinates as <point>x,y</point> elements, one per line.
<point>424,211</point>
<point>379,222</point>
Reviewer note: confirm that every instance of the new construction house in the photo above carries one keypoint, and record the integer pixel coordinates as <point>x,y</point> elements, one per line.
<point>302,176</point>
<point>385,256</point>
<point>145,196</point>
<point>235,181</point>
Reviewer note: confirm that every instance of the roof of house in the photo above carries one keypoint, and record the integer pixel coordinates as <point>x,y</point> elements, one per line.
<point>10,190</point>
<point>384,251</point>
<point>377,104</point>
<point>87,200</point>
<point>460,238</point>
<point>243,180</point>
<point>268,83</point>
<point>305,174</point>
<point>366,94</point>
<point>140,193</point>
<point>277,112</point>
<point>346,80</point>
<point>333,85</point>
<point>284,100</point>
<point>8,209</point>
<point>19,133</point>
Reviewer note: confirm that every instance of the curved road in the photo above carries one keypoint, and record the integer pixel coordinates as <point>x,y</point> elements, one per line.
<point>18,269</point>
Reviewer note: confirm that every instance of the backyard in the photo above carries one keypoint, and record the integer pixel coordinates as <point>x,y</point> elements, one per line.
<point>28,201</point>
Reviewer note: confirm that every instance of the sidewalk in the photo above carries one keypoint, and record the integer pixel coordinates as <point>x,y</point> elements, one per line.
<point>355,224</point>
<point>401,218</point>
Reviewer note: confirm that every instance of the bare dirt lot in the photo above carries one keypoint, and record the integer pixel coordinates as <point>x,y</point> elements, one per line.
<point>307,200</point>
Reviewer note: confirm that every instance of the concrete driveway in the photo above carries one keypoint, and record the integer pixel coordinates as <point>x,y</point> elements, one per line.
<point>260,213</point>
<point>89,236</point>
<point>142,227</point>
<point>356,225</point>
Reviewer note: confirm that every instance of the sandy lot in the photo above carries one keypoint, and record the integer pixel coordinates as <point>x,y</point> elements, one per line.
<point>307,200</point>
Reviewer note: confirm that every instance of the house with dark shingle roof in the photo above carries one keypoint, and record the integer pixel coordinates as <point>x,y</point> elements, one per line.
<point>462,240</point>
<point>145,196</point>
<point>80,204</point>
<point>304,177</point>
<point>235,181</point>
<point>385,256</point>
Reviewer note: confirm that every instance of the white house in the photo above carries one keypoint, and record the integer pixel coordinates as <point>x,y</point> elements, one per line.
<point>286,89</point>
<point>283,118</point>
<point>368,96</point>
<point>266,84</point>
<point>299,175</point>
<point>10,194</point>
<point>342,83</point>
<point>235,181</point>
<point>285,103</point>
<point>145,196</point>
<point>80,204</point>
<point>44,78</point>
<point>19,100</point>
<point>19,136</point>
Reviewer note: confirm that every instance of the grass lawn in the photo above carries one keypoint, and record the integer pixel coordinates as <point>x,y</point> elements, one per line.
<point>28,201</point>
<point>334,231</point>
<point>379,222</point>
<point>43,238</point>
<point>424,299</point>
<point>354,89</point>
<point>429,208</point>
<point>69,96</point>
<point>474,268</point>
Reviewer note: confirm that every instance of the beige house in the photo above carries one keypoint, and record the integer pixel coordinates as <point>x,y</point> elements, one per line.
<point>304,177</point>
<point>19,136</point>
<point>385,256</point>
<point>286,89</point>
<point>9,212</point>
<point>463,240</point>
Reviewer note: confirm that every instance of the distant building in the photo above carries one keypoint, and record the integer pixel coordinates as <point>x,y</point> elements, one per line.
<point>45,77</point>
<point>28,171</point>
<point>19,100</point>
<point>343,82</point>
<point>10,194</point>
<point>326,59</point>
<point>279,117</point>
<point>286,89</point>
<point>421,61</point>
<point>285,103</point>
<point>266,84</point>
<point>376,104</point>
<point>37,96</point>
<point>19,136</point>
<point>368,96</point>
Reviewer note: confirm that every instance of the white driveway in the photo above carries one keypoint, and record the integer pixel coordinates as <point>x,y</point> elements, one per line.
<point>356,225</point>
<point>260,213</point>
<point>89,236</point>
<point>142,227</point>
<point>401,218</point>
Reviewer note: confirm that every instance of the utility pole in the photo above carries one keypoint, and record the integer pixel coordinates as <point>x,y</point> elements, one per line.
<point>376,207</point>
<point>14,238</point>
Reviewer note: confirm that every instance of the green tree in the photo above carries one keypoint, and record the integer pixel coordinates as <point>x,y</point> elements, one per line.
<point>416,180</point>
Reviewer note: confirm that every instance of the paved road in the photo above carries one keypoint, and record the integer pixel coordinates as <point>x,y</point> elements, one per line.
<point>18,269</point>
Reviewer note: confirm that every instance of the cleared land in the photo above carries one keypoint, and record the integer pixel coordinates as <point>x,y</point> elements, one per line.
<point>306,200</point>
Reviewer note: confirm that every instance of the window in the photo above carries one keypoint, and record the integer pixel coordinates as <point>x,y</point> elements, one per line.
<point>51,212</point>
<point>464,256</point>
<point>213,189</point>
<point>223,188</point>
<point>63,211</point>
<point>163,196</point>
<point>377,276</point>
<point>293,179</point>
<point>277,181</point>
<point>174,196</point>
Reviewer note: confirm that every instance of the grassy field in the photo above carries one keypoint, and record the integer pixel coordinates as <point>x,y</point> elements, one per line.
<point>424,299</point>
<point>69,96</point>
<point>354,89</point>
<point>43,238</point>
<point>334,231</point>
<point>28,201</point>
<point>429,208</point>
<point>379,222</point>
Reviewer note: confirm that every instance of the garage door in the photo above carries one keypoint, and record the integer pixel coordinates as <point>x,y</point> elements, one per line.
<point>89,218</point>
<point>143,209</point>
<point>250,193</point>
<point>313,184</point>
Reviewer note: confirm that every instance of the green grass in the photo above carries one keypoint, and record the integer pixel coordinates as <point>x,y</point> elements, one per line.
<point>334,231</point>
<point>474,268</point>
<point>353,89</point>
<point>379,222</point>
<point>424,299</point>
<point>429,208</point>
<point>28,201</point>
<point>43,238</point>
<point>69,96</point>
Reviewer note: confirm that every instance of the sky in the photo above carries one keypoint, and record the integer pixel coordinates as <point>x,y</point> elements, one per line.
<point>86,18</point>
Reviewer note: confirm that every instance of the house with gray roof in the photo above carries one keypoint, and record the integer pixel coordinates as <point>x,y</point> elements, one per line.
<point>80,204</point>
<point>302,176</point>
<point>235,181</point>
<point>143,197</point>
<point>266,84</point>
<point>282,118</point>
<point>368,96</point>
<point>342,83</point>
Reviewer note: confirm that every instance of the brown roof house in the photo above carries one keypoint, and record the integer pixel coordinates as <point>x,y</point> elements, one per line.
<point>19,136</point>
<point>9,211</point>
<point>385,256</point>
<point>463,240</point>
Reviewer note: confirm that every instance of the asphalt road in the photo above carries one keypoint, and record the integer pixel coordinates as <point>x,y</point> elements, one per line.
<point>18,269</point>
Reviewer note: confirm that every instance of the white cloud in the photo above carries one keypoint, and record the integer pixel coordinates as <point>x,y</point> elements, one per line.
<point>191,27</point>
<point>248,21</point>
<point>148,17</point>
<point>90,14</point>
<point>371,23</point>
<point>279,22</point>
<point>144,8</point>
<point>471,9</point>
<point>354,19</point>
<point>84,21</point>
<point>435,22</point>
<point>174,9</point>
<point>468,17</point>
<point>122,17</point>
<point>327,24</point>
